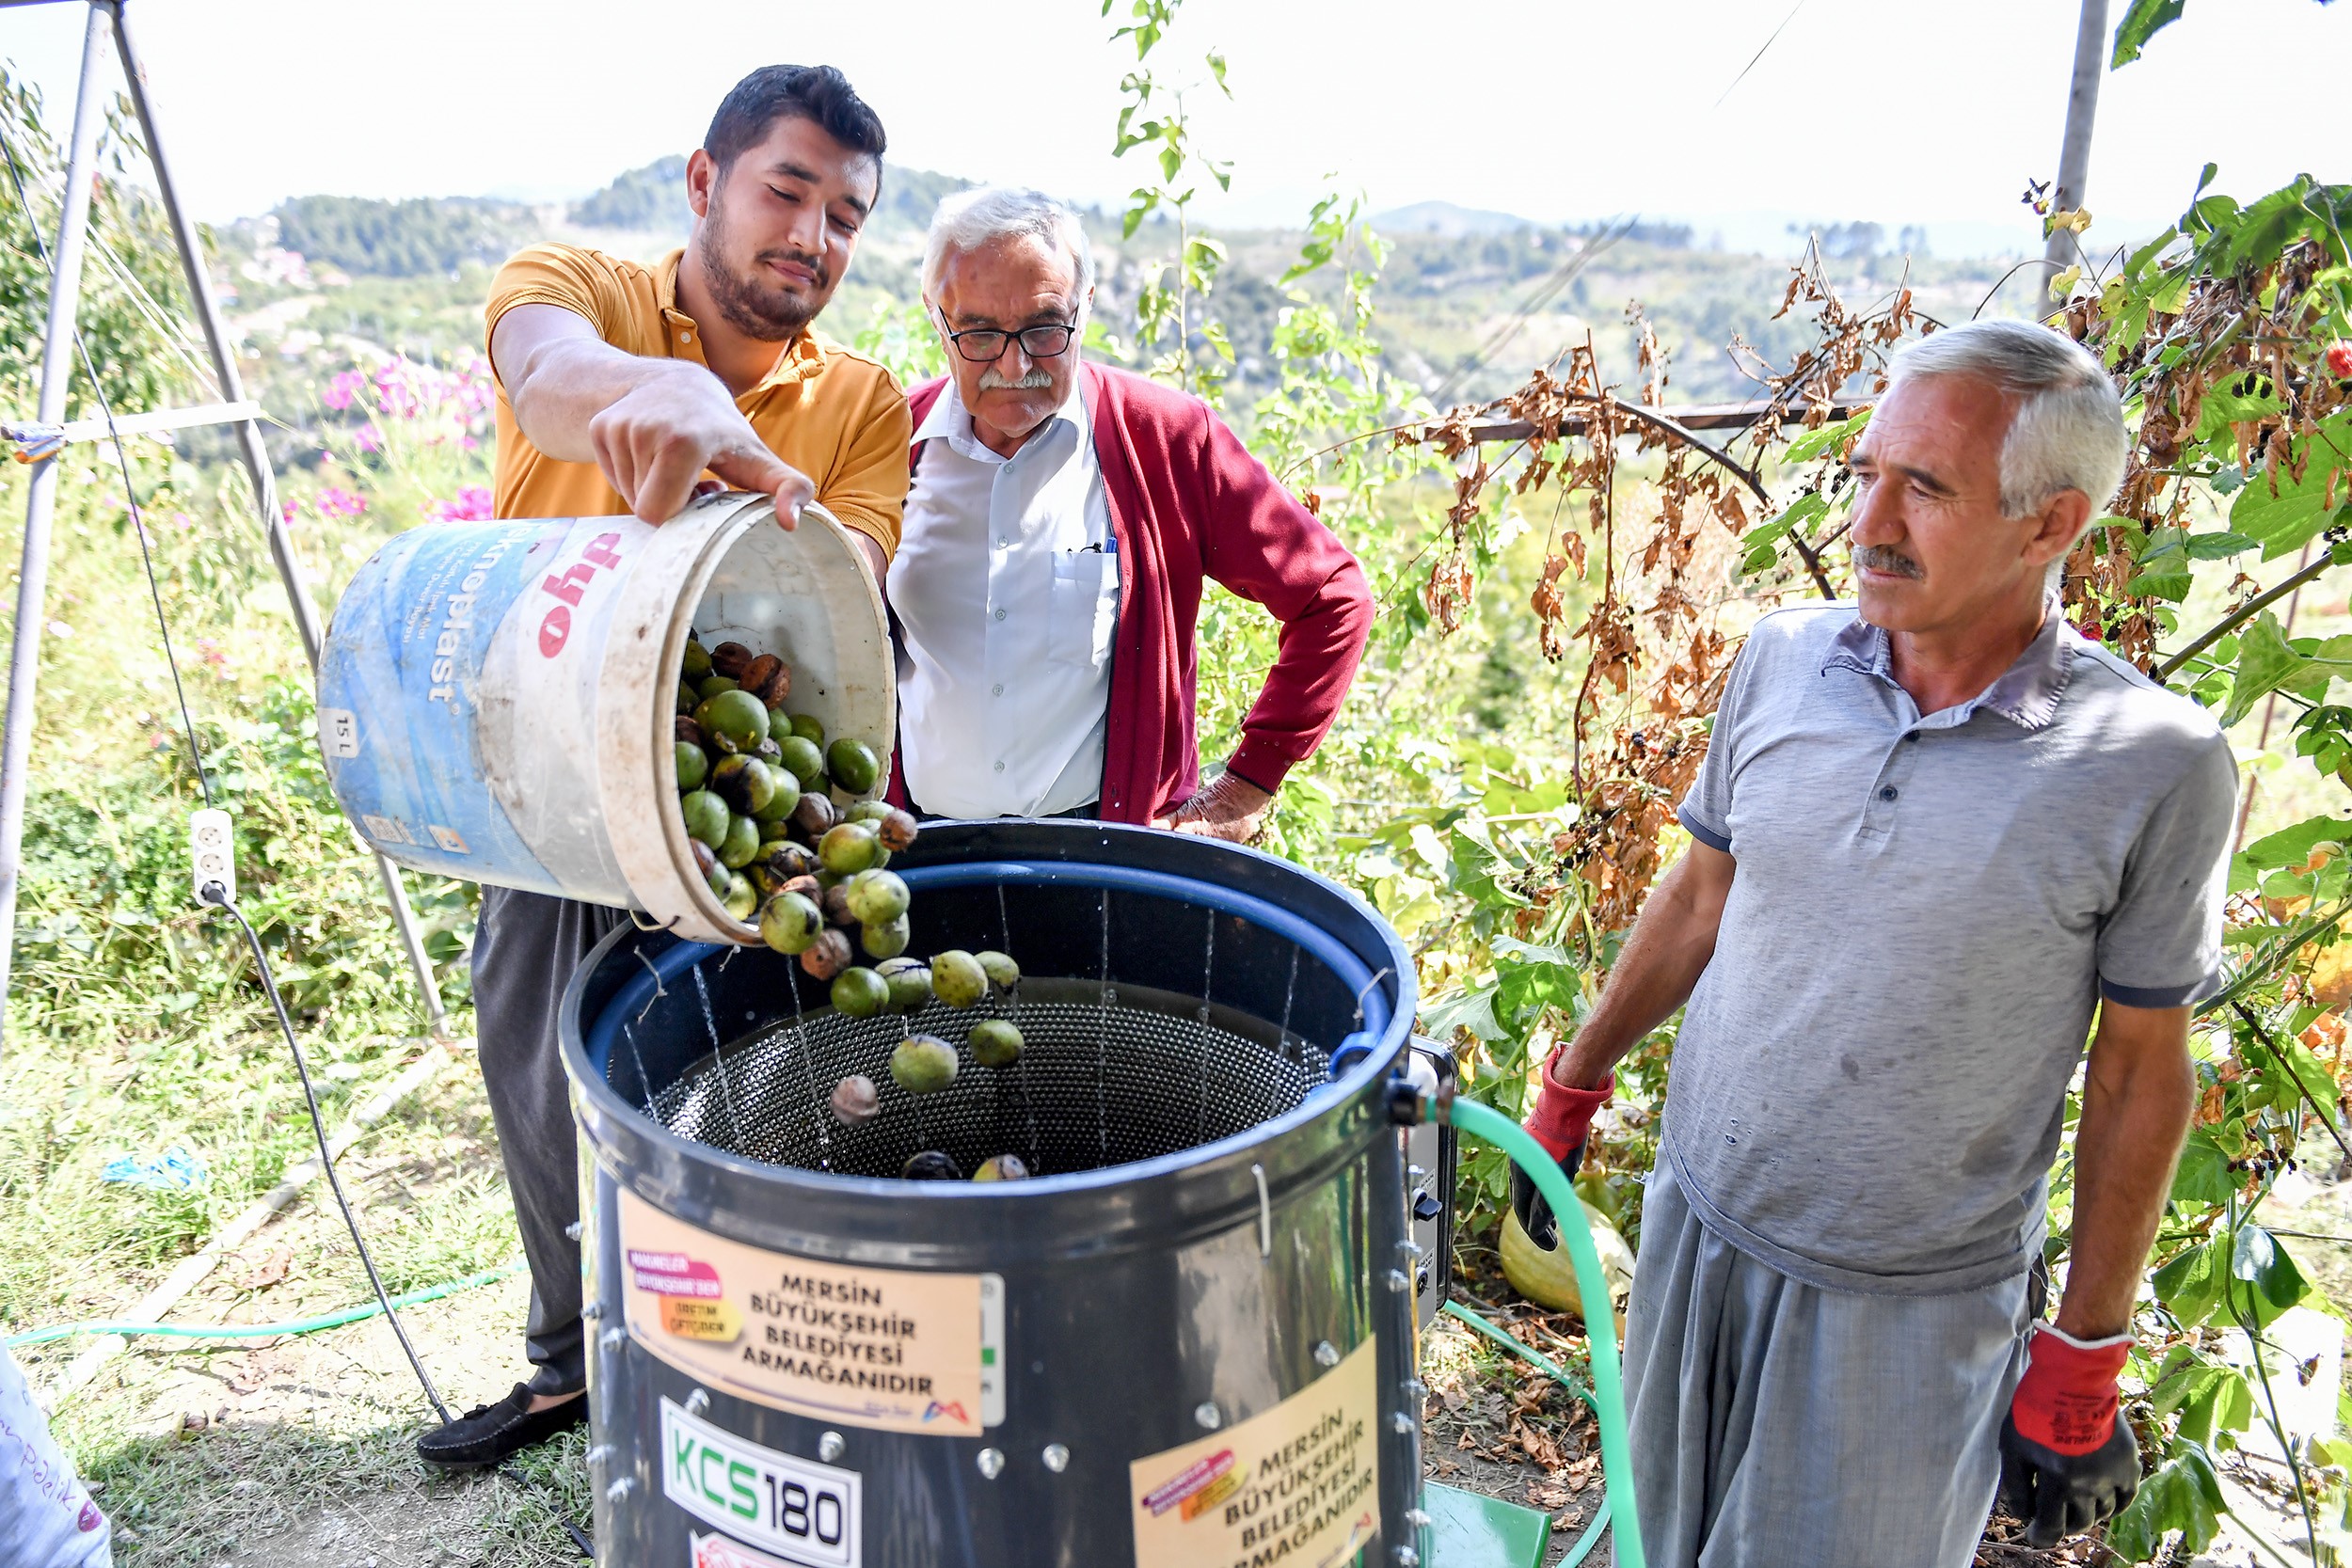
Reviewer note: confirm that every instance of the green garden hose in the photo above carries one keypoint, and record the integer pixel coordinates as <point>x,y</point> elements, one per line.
<point>1608,1397</point>
<point>260,1331</point>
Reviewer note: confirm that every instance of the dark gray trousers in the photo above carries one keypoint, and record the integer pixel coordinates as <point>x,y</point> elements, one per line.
<point>525,949</point>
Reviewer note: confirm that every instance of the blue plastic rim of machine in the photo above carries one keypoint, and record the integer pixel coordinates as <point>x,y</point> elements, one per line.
<point>1187,1338</point>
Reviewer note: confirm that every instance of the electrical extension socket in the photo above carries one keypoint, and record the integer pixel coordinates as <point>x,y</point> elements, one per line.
<point>212,844</point>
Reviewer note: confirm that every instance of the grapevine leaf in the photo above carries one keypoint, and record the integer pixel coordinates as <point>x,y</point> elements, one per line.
<point>2264,663</point>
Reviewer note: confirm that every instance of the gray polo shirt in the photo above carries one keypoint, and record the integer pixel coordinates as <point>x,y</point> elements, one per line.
<point>1872,1075</point>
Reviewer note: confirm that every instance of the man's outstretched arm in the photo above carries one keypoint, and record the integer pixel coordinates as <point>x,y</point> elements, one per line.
<point>652,425</point>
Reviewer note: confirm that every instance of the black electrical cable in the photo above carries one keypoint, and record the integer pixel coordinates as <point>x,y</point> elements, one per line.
<point>217,896</point>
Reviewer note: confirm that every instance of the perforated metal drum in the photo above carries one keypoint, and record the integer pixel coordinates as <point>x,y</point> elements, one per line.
<point>1185,1340</point>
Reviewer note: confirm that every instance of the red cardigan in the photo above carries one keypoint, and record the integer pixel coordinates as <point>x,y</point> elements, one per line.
<point>1188,501</point>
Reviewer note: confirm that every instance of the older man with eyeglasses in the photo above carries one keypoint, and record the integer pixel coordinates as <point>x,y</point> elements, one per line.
<point>1061,520</point>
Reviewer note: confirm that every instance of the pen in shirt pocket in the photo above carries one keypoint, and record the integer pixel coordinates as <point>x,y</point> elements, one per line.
<point>1110,546</point>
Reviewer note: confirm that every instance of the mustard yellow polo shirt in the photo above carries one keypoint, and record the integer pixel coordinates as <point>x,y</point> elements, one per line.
<point>835,415</point>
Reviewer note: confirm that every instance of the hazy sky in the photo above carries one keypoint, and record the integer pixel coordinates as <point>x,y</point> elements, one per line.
<point>1898,110</point>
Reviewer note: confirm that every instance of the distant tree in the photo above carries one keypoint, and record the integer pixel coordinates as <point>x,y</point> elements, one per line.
<point>651,199</point>
<point>425,236</point>
<point>1844,242</point>
<point>1913,240</point>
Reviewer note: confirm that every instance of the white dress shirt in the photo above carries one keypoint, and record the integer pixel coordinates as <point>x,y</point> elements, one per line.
<point>1006,585</point>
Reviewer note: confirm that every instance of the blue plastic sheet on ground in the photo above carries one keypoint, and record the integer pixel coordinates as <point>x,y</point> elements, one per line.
<point>174,1170</point>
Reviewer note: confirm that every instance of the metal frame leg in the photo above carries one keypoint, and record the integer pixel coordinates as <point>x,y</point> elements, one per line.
<point>257,462</point>
<point>56,371</point>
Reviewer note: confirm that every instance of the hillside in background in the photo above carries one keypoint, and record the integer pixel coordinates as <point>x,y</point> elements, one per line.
<point>1468,301</point>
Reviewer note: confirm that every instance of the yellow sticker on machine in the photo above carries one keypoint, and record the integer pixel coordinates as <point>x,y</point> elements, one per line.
<point>1296,1486</point>
<point>890,1349</point>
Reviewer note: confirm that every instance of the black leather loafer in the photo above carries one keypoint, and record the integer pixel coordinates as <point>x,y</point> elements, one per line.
<point>490,1433</point>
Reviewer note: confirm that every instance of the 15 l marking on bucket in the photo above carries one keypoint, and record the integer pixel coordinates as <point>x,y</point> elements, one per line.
<point>804,1512</point>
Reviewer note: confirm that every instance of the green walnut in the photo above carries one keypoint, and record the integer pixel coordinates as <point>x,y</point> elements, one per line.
<point>994,1042</point>
<point>744,784</point>
<point>803,761</point>
<point>741,844</point>
<point>740,897</point>
<point>696,664</point>
<point>886,938</point>
<point>930,1165</point>
<point>737,717</point>
<point>687,697</point>
<point>860,993</point>
<point>784,798</point>
<point>692,766</point>
<point>852,764</point>
<point>707,817</point>
<point>923,1063</point>
<point>958,979</point>
<point>1001,971</point>
<point>1005,1167</point>
<point>710,686</point>
<point>790,924</point>
<point>876,896</point>
<point>806,726</point>
<point>847,847</point>
<point>910,985</point>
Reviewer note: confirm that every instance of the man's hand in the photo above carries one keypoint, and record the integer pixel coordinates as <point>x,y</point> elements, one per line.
<point>654,442</point>
<point>2066,1462</point>
<point>652,425</point>
<point>1230,808</point>
<point>1561,1123</point>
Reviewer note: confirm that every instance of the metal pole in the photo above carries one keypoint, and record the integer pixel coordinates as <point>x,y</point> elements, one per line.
<point>257,465</point>
<point>56,373</point>
<point>2082,103</point>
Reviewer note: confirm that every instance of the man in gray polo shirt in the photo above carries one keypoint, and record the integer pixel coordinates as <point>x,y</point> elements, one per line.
<point>1932,835</point>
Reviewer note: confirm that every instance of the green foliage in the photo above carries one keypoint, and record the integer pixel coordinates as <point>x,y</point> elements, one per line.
<point>652,197</point>
<point>2145,19</point>
<point>403,239</point>
<point>132,293</point>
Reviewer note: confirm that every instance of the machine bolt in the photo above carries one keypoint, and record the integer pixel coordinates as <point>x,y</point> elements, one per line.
<point>614,1338</point>
<point>1409,1247</point>
<point>620,1489</point>
<point>828,1447</point>
<point>598,1455</point>
<point>1417,1518</point>
<point>1414,1389</point>
<point>698,1402</point>
<point>1406,1557</point>
<point>1414,1173</point>
<point>1399,1281</point>
<point>572,1230</point>
<point>1326,1353</point>
<point>591,1310</point>
<point>1207,1414</point>
<point>1056,1458</point>
<point>991,1463</point>
<point>1401,1423</point>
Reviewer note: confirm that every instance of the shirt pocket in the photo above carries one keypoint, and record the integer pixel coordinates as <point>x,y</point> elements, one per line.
<point>1085,607</point>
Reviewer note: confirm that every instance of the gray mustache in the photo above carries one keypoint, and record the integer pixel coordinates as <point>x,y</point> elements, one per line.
<point>1035,381</point>
<point>1886,558</point>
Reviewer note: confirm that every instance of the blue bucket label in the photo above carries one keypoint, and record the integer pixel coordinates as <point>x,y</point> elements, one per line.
<point>400,694</point>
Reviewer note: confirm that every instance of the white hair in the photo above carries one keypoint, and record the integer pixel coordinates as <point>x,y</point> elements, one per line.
<point>2068,431</point>
<point>975,219</point>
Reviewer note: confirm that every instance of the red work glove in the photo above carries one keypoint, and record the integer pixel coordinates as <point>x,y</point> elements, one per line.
<point>1562,1122</point>
<point>2066,1462</point>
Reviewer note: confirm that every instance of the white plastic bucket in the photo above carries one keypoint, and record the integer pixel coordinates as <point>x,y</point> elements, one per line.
<point>496,701</point>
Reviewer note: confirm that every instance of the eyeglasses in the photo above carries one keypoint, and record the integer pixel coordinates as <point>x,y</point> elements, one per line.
<point>984,345</point>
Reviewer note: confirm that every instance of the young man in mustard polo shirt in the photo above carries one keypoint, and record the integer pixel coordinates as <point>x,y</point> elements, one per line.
<point>620,387</point>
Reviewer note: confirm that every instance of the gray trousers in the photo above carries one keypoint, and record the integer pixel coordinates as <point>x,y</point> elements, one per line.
<point>524,952</point>
<point>1777,1423</point>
